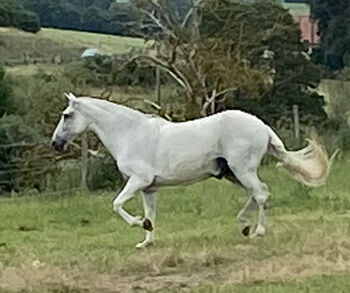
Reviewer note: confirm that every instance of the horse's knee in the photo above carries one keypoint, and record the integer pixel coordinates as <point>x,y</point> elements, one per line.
<point>117,206</point>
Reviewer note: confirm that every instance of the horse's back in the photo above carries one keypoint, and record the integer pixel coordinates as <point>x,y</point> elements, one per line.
<point>208,133</point>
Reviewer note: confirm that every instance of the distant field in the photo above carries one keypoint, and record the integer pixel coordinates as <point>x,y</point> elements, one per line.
<point>30,69</point>
<point>297,8</point>
<point>75,243</point>
<point>106,43</point>
<point>48,43</point>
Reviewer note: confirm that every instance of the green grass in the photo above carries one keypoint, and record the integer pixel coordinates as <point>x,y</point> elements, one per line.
<point>75,243</point>
<point>108,44</point>
<point>48,43</point>
<point>320,284</point>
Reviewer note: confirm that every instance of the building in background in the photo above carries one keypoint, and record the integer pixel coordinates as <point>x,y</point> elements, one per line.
<point>301,13</point>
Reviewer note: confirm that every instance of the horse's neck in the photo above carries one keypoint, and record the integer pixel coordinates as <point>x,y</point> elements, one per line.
<point>112,123</point>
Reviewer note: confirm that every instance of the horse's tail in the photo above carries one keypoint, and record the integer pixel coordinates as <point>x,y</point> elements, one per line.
<point>309,165</point>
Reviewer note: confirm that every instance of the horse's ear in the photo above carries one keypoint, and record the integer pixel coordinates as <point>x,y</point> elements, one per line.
<point>70,97</point>
<point>73,100</point>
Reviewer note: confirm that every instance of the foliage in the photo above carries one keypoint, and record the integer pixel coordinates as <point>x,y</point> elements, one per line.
<point>6,107</point>
<point>6,102</point>
<point>36,115</point>
<point>333,22</point>
<point>108,71</point>
<point>216,52</point>
<point>105,16</point>
<point>103,174</point>
<point>13,14</point>
<point>13,131</point>
<point>260,27</point>
<point>336,94</point>
<point>196,62</point>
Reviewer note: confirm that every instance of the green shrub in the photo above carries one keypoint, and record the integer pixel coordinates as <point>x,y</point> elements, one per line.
<point>103,174</point>
<point>13,14</point>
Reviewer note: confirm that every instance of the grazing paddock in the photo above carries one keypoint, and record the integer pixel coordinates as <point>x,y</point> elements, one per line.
<point>66,43</point>
<point>75,243</point>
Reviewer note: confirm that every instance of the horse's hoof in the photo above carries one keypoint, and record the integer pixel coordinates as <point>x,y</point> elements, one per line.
<point>246,230</point>
<point>144,244</point>
<point>147,225</point>
<point>260,232</point>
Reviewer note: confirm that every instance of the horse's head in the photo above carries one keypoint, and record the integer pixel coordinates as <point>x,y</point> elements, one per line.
<point>72,123</point>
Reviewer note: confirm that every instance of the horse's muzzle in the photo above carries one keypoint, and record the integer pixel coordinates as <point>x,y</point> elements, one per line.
<point>58,144</point>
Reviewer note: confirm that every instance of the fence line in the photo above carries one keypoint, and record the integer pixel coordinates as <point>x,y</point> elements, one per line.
<point>22,144</point>
<point>13,169</point>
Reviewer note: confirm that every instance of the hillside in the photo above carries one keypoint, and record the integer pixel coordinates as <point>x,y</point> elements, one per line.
<point>17,46</point>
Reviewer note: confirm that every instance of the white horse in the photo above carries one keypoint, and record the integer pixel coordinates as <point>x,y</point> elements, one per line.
<point>151,152</point>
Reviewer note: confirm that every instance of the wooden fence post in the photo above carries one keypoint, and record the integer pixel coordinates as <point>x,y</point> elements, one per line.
<point>158,94</point>
<point>296,122</point>
<point>84,162</point>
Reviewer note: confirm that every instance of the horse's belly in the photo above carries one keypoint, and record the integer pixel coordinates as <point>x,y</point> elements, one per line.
<point>186,173</point>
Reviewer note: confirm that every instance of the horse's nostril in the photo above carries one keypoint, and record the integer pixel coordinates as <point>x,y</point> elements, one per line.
<point>54,144</point>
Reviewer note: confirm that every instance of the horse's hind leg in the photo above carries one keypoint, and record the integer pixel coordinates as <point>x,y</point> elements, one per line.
<point>258,193</point>
<point>241,216</point>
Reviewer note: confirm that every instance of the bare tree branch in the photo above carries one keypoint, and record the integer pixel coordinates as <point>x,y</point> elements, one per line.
<point>159,23</point>
<point>189,14</point>
<point>171,69</point>
<point>211,100</point>
<point>153,104</point>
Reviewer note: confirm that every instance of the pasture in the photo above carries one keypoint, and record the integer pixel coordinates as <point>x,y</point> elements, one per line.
<point>73,242</point>
<point>49,42</point>
<point>17,45</point>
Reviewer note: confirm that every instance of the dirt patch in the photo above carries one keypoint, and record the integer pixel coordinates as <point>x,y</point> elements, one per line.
<point>330,259</point>
<point>286,268</point>
<point>44,278</point>
<point>333,258</point>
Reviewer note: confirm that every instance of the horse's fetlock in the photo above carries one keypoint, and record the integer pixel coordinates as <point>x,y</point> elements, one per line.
<point>261,199</point>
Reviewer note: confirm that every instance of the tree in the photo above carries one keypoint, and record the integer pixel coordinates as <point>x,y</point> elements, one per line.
<point>216,53</point>
<point>262,29</point>
<point>6,103</point>
<point>93,19</point>
<point>333,23</point>
<point>87,15</point>
<point>11,126</point>
<point>13,14</point>
<point>196,62</point>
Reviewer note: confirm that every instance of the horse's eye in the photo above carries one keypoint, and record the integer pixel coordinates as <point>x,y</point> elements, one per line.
<point>66,116</point>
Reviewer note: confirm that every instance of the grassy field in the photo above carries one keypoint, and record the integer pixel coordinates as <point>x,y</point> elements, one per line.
<point>75,243</point>
<point>48,43</point>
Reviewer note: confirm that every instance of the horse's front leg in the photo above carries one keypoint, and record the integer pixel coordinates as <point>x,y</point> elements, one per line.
<point>149,205</point>
<point>133,185</point>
